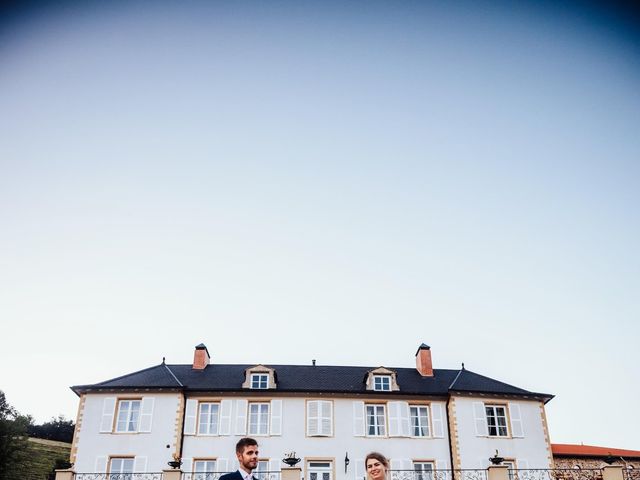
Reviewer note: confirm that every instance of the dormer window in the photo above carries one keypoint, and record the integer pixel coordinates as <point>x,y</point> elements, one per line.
<point>382,383</point>
<point>260,377</point>
<point>259,380</point>
<point>381,379</point>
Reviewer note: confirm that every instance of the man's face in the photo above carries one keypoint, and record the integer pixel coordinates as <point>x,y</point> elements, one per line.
<point>248,458</point>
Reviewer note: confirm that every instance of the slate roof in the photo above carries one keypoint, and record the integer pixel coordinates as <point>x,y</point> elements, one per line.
<point>308,379</point>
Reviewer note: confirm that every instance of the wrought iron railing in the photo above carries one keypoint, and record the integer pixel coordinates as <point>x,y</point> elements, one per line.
<point>463,474</point>
<point>631,474</point>
<point>556,474</point>
<point>118,476</point>
<point>216,475</point>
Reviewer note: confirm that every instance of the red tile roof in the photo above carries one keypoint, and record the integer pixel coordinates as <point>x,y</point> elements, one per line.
<point>565,450</point>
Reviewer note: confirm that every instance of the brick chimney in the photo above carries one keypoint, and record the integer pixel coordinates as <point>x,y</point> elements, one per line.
<point>201,357</point>
<point>423,361</point>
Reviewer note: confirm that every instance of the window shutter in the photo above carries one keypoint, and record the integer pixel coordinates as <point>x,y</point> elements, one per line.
<point>241,417</point>
<point>225,417</point>
<point>522,464</point>
<point>140,465</point>
<point>274,466</point>
<point>480,417</point>
<point>359,470</point>
<point>101,465</point>
<point>191,412</point>
<point>326,420</point>
<point>313,407</point>
<point>108,407</point>
<point>396,464</point>
<point>517,430</point>
<point>441,464</point>
<point>276,417</point>
<point>146,414</point>
<point>358,419</point>
<point>187,467</point>
<point>405,423</point>
<point>437,420</point>
<point>221,465</point>
<point>394,419</point>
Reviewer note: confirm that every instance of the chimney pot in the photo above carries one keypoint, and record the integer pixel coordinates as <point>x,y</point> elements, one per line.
<point>201,357</point>
<point>423,361</point>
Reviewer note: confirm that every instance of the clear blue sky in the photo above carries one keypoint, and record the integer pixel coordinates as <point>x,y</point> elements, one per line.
<point>332,180</point>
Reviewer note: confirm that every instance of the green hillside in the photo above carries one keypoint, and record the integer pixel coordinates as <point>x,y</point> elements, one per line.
<point>42,456</point>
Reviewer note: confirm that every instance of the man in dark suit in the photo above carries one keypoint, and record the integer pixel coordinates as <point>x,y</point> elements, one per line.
<point>247,453</point>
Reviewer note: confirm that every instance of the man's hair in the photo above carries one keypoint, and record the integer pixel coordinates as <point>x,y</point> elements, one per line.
<point>245,442</point>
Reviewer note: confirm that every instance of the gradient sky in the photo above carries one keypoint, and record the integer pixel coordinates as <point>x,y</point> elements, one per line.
<point>340,181</point>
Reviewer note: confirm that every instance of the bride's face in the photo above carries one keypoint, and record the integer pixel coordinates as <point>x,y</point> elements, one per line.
<point>375,469</point>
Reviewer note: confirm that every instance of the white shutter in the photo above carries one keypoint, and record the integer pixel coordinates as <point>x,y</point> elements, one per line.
<point>480,417</point>
<point>437,420</point>
<point>522,464</point>
<point>359,470</point>
<point>140,465</point>
<point>394,419</point>
<point>483,462</point>
<point>276,417</point>
<point>187,465</point>
<point>517,430</point>
<point>221,465</point>
<point>146,414</point>
<point>101,465</point>
<point>326,418</point>
<point>407,464</point>
<point>225,417</point>
<point>441,464</point>
<point>405,421</point>
<point>358,419</point>
<point>396,464</point>
<point>274,465</point>
<point>108,407</point>
<point>313,421</point>
<point>241,417</point>
<point>190,415</point>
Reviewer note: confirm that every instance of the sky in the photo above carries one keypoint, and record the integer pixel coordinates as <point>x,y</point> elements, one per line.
<point>340,181</point>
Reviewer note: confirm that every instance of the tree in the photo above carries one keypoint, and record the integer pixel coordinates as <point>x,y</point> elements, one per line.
<point>59,429</point>
<point>13,440</point>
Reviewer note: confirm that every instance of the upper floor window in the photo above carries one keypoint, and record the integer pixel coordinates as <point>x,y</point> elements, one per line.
<point>376,416</point>
<point>496,420</point>
<point>128,416</point>
<point>260,380</point>
<point>209,419</point>
<point>258,418</point>
<point>319,418</point>
<point>424,470</point>
<point>202,469</point>
<point>419,417</point>
<point>120,466</point>
<point>382,383</point>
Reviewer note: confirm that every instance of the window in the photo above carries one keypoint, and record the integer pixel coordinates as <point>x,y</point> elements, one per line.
<point>419,417</point>
<point>319,470</point>
<point>204,469</point>
<point>209,418</point>
<point>260,380</point>
<point>376,420</point>
<point>261,470</point>
<point>319,418</point>
<point>423,470</point>
<point>258,418</point>
<point>496,420</point>
<point>128,416</point>
<point>382,383</point>
<point>118,466</point>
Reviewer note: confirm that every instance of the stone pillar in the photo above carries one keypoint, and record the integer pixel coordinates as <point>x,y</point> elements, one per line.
<point>612,472</point>
<point>173,474</point>
<point>65,474</point>
<point>498,472</point>
<point>291,473</point>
